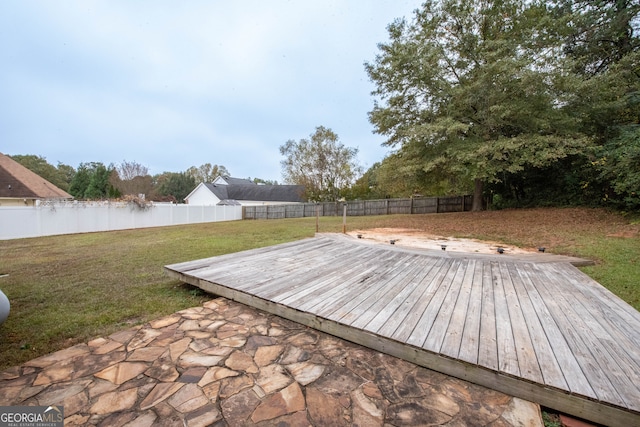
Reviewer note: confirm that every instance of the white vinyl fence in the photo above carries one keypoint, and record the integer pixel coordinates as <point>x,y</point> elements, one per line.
<point>50,218</point>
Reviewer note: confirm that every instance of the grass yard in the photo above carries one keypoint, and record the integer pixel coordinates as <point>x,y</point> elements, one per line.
<point>70,289</point>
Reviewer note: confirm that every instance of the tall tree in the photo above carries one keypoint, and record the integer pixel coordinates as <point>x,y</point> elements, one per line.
<point>466,89</point>
<point>60,176</point>
<point>176,186</point>
<point>80,181</point>
<point>132,178</point>
<point>66,172</point>
<point>598,33</point>
<point>98,187</point>
<point>129,170</point>
<point>321,163</point>
<point>91,181</point>
<point>602,43</point>
<point>207,172</point>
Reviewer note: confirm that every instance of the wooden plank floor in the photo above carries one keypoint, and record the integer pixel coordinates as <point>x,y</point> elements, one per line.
<point>544,332</point>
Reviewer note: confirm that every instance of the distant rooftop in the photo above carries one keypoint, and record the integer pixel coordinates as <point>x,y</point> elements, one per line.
<point>16,181</point>
<point>253,192</point>
<point>228,180</point>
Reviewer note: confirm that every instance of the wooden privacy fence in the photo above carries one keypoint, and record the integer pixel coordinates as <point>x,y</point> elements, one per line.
<point>418,205</point>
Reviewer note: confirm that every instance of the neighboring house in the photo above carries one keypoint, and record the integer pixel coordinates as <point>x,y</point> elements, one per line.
<point>235,191</point>
<point>21,187</point>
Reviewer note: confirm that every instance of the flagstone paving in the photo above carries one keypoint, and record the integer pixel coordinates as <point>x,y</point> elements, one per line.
<point>226,364</point>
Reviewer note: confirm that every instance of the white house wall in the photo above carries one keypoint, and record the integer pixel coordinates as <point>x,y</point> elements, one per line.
<point>202,196</point>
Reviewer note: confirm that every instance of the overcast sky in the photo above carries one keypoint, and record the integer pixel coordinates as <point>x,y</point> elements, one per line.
<point>174,84</point>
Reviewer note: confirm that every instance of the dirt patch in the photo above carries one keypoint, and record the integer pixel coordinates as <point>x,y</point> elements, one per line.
<point>556,229</point>
<point>413,238</point>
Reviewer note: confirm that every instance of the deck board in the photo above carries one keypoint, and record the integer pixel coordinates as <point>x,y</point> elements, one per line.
<point>541,331</point>
<point>488,349</point>
<point>471,331</point>
<point>548,366</point>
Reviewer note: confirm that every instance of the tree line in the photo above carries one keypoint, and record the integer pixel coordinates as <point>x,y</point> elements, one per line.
<point>97,181</point>
<point>525,102</point>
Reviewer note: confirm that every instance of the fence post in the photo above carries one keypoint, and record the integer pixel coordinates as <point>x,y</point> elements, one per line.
<point>437,204</point>
<point>317,217</point>
<point>344,219</point>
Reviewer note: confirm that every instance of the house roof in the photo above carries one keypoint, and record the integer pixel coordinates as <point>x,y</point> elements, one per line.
<point>265,193</point>
<point>233,181</point>
<point>18,181</point>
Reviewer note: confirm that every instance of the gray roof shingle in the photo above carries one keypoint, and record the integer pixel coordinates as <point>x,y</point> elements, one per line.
<point>236,181</point>
<point>253,192</point>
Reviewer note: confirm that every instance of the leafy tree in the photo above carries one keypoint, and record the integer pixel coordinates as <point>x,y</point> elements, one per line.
<point>321,163</point>
<point>91,181</point>
<point>467,90</point>
<point>98,187</point>
<point>80,181</point>
<point>60,176</point>
<point>176,186</point>
<point>67,173</point>
<point>597,33</point>
<point>207,172</point>
<point>601,43</point>
<point>366,187</point>
<point>399,176</point>
<point>619,165</point>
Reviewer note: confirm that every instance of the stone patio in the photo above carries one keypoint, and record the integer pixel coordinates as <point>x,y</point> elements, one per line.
<point>226,364</point>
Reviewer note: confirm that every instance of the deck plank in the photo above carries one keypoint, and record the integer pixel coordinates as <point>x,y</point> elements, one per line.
<point>471,333</point>
<point>538,331</point>
<point>505,341</point>
<point>526,356</point>
<point>361,304</point>
<point>572,372</point>
<point>460,313</point>
<point>416,312</point>
<point>308,272</point>
<point>399,298</point>
<point>620,374</point>
<point>488,350</point>
<point>311,294</point>
<point>548,365</point>
<point>434,337</point>
<point>581,343</point>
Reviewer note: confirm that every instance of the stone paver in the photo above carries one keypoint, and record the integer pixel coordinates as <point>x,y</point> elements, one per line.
<point>226,364</point>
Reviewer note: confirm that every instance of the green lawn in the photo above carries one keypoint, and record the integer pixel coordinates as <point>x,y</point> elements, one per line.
<point>69,289</point>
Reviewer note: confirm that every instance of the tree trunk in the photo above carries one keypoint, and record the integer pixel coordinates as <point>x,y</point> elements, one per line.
<point>477,196</point>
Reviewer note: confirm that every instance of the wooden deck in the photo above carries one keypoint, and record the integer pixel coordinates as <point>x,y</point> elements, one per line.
<point>542,331</point>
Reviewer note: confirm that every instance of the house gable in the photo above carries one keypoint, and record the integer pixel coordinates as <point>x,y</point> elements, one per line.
<point>203,195</point>
<point>18,182</point>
